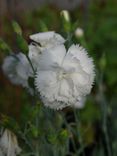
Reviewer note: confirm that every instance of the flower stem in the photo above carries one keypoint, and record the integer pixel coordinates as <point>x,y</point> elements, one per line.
<point>78,126</point>
<point>104,109</point>
<point>37,151</point>
<point>37,127</point>
<point>70,130</point>
<point>30,64</point>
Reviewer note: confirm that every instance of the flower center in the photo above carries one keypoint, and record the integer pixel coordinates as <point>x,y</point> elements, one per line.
<point>61,75</point>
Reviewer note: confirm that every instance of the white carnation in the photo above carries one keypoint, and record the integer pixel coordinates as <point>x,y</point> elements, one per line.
<point>47,39</point>
<point>9,144</point>
<point>17,68</point>
<point>64,78</point>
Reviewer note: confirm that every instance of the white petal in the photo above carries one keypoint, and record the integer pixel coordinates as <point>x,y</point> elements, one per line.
<point>52,57</point>
<point>80,54</point>
<point>48,39</point>
<point>82,85</point>
<point>41,37</point>
<point>34,54</point>
<point>81,79</point>
<point>57,105</point>
<point>80,102</point>
<point>71,64</point>
<point>47,84</point>
<point>64,91</point>
<point>58,38</point>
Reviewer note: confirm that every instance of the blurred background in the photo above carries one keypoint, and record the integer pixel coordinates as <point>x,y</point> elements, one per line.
<point>98,19</point>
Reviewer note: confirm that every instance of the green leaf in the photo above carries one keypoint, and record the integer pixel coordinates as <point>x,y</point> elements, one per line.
<point>63,136</point>
<point>9,122</point>
<point>34,131</point>
<point>35,111</point>
<point>52,138</point>
<point>22,44</point>
<point>4,47</point>
<point>43,26</point>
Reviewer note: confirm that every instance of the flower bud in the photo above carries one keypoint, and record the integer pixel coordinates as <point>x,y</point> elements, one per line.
<point>79,32</point>
<point>65,15</point>
<point>16,27</point>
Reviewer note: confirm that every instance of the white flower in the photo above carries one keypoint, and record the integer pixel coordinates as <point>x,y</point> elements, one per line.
<point>47,39</point>
<point>9,144</point>
<point>79,32</point>
<point>64,78</point>
<point>17,68</point>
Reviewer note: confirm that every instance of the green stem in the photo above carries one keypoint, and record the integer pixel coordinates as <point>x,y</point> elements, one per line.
<point>37,150</point>
<point>104,108</point>
<point>31,64</point>
<point>78,126</point>
<point>26,141</point>
<point>37,143</point>
<point>69,37</point>
<point>37,127</point>
<point>71,131</point>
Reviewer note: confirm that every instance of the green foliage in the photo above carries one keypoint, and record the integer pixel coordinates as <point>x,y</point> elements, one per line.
<point>22,44</point>
<point>4,47</point>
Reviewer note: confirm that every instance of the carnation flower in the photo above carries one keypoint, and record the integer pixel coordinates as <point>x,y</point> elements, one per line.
<point>64,78</point>
<point>47,39</point>
<point>9,144</point>
<point>17,68</point>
